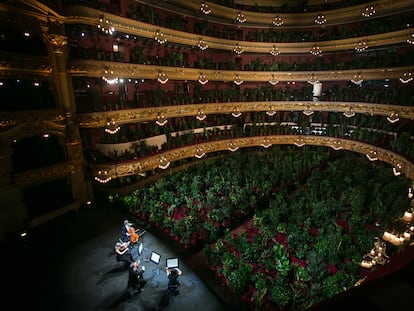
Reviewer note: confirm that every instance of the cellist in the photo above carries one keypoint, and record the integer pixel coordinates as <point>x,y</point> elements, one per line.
<point>128,232</point>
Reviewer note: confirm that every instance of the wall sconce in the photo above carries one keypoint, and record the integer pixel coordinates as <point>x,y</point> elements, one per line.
<point>277,21</point>
<point>266,143</point>
<point>163,163</point>
<point>308,111</point>
<point>199,153</point>
<point>103,177</point>
<point>237,80</point>
<point>313,80</point>
<point>357,79</point>
<point>372,155</point>
<point>406,77</point>
<point>202,45</point>
<point>105,26</point>
<point>201,115</point>
<point>162,78</point>
<point>349,113</point>
<point>393,117</point>
<point>240,18</point>
<point>315,50</point>
<point>273,80</point>
<point>336,145</point>
<point>111,127</point>
<point>202,79</point>
<point>236,113</point>
<point>397,169</point>
<point>361,46</point>
<point>161,120</point>
<point>238,49</point>
<point>160,37</point>
<point>320,19</point>
<point>205,9</point>
<point>410,40</point>
<point>109,77</point>
<point>271,112</point>
<point>274,51</point>
<point>300,142</point>
<point>233,146</point>
<point>368,11</point>
<point>411,192</point>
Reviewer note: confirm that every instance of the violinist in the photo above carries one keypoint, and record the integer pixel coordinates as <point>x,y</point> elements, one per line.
<point>123,253</point>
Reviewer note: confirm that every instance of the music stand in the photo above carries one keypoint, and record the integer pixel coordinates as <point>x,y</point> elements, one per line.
<point>171,263</point>
<point>155,258</point>
<point>140,248</point>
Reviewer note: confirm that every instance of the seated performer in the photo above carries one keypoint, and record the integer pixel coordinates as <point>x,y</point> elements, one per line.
<point>135,278</point>
<point>123,253</point>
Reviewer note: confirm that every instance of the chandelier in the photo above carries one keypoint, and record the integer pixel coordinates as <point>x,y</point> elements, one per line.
<point>103,177</point>
<point>105,26</point>
<point>240,18</point>
<point>320,19</point>
<point>160,37</point>
<point>315,50</point>
<point>361,46</point>
<point>237,80</point>
<point>274,51</point>
<point>376,256</point>
<point>162,78</point>
<point>202,79</point>
<point>204,8</point>
<point>273,80</point>
<point>277,21</point>
<point>163,163</point>
<point>406,77</point>
<point>202,45</point>
<point>238,49</point>
<point>111,127</point>
<point>368,11</point>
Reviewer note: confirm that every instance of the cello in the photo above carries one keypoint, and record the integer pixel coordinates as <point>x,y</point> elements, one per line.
<point>133,236</point>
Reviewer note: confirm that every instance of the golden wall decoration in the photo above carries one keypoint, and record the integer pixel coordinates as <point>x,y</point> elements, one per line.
<point>99,119</point>
<point>152,162</point>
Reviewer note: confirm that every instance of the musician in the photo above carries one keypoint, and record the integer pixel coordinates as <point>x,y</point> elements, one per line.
<point>129,233</point>
<point>135,278</point>
<point>123,253</point>
<point>173,282</point>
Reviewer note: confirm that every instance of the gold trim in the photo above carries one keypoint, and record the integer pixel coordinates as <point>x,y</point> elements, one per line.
<point>135,167</point>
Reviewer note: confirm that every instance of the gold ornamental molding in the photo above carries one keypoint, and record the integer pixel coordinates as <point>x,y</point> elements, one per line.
<point>95,68</point>
<point>162,160</point>
<point>33,8</point>
<point>99,119</point>
<point>44,174</point>
<point>27,123</point>
<point>333,17</point>
<point>84,15</point>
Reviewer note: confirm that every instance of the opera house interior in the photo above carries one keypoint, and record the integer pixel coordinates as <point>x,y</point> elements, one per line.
<point>273,138</point>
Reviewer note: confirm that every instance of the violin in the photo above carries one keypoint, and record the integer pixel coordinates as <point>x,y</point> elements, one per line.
<point>133,236</point>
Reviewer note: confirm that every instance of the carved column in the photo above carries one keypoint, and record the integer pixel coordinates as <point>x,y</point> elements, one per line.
<point>58,55</point>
